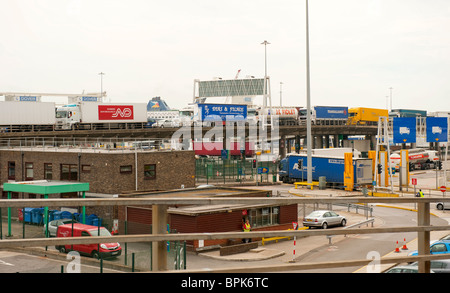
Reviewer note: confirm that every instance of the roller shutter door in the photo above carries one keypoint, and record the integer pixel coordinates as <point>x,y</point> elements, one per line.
<point>139,220</point>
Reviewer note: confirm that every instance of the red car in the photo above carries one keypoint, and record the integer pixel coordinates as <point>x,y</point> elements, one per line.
<point>94,250</point>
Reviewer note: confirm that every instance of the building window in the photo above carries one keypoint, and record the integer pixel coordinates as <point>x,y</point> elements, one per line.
<point>29,171</point>
<point>126,169</point>
<point>86,168</point>
<point>48,171</point>
<point>150,171</point>
<point>11,170</point>
<point>266,216</point>
<point>69,172</point>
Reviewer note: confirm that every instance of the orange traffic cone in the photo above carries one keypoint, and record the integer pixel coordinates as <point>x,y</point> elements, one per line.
<point>397,248</point>
<point>404,244</point>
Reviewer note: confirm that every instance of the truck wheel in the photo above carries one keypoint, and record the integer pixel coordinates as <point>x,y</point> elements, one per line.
<point>62,249</point>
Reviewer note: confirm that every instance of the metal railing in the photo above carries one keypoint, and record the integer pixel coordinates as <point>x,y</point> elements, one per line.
<point>423,228</point>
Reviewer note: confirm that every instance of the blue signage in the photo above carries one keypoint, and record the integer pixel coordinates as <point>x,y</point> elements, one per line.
<point>404,130</point>
<point>89,99</point>
<point>27,99</point>
<point>263,170</point>
<point>222,112</point>
<point>225,154</point>
<point>437,129</point>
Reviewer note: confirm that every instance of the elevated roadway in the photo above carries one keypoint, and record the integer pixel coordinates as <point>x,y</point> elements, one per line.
<point>167,132</point>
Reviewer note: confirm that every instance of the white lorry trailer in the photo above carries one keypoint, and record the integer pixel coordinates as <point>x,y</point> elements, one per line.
<point>26,116</point>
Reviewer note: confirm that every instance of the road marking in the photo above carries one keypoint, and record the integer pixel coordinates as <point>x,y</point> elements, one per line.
<point>5,263</point>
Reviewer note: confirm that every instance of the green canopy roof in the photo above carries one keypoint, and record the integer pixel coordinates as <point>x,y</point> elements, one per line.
<point>45,186</point>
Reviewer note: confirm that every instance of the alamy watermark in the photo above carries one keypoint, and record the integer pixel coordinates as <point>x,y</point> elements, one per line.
<point>229,134</point>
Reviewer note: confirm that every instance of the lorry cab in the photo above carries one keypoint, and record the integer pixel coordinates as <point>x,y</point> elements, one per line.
<point>103,250</point>
<point>67,115</point>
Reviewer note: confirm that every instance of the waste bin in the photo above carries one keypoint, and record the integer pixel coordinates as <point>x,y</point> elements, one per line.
<point>37,216</point>
<point>57,215</point>
<point>51,215</point>
<point>66,215</point>
<point>95,221</point>
<point>27,215</point>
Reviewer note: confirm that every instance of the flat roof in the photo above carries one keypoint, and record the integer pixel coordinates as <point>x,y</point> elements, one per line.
<point>45,186</point>
<point>211,191</point>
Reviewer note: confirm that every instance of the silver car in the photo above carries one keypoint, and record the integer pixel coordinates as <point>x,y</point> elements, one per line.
<point>324,219</point>
<point>53,226</point>
<point>443,205</point>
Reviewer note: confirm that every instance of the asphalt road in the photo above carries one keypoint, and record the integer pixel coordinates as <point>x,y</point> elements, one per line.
<point>358,246</point>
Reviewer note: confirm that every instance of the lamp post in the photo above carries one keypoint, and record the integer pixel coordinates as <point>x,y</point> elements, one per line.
<point>281,91</point>
<point>101,84</point>
<point>391,96</point>
<point>308,106</point>
<point>265,43</point>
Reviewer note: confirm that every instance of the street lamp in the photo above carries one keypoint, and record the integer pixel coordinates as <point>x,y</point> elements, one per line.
<point>308,105</point>
<point>265,43</point>
<point>391,96</point>
<point>101,84</point>
<point>281,91</point>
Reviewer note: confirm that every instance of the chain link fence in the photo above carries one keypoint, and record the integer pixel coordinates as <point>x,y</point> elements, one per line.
<point>215,170</point>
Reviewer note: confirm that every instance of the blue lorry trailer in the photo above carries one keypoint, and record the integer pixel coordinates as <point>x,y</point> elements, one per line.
<point>293,168</point>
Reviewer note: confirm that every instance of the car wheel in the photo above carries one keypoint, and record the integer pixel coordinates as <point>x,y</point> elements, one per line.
<point>324,225</point>
<point>440,206</point>
<point>343,222</point>
<point>95,254</point>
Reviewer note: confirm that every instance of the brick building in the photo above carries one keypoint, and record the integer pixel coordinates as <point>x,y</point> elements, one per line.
<point>107,172</point>
<point>210,218</point>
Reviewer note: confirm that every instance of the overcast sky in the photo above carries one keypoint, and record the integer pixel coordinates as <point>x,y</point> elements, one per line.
<point>358,49</point>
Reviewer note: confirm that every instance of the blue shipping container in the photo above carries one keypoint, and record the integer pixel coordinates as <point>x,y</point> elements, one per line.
<point>323,112</point>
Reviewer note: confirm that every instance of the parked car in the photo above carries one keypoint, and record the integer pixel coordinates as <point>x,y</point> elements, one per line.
<point>438,266</point>
<point>103,250</point>
<point>324,219</point>
<point>443,205</point>
<point>167,123</point>
<point>438,247</point>
<point>403,269</point>
<point>53,226</point>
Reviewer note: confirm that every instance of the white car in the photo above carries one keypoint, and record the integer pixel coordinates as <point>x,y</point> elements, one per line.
<point>324,219</point>
<point>53,226</point>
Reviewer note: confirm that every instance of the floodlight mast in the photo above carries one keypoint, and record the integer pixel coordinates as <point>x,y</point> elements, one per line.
<point>308,105</point>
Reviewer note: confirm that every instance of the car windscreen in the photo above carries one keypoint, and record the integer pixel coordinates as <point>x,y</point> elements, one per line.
<point>315,214</point>
<point>103,232</point>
